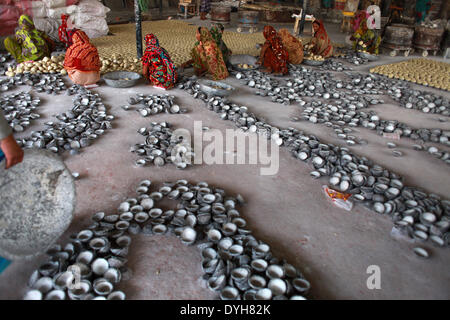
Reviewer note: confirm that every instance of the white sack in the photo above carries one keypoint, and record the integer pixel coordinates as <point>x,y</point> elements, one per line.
<point>39,10</point>
<point>56,13</point>
<point>54,3</point>
<point>92,8</point>
<point>94,28</point>
<point>49,26</point>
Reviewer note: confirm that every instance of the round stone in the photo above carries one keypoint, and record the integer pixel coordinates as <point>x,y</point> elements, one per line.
<point>36,204</point>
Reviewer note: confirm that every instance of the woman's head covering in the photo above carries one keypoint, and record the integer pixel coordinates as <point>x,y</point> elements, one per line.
<point>321,26</point>
<point>152,44</point>
<point>82,55</point>
<point>156,58</point>
<point>216,32</point>
<point>275,45</point>
<point>80,37</point>
<point>293,46</point>
<point>64,18</point>
<point>269,32</point>
<point>275,41</point>
<point>151,40</point>
<point>360,22</point>
<point>207,55</point>
<point>33,42</point>
<point>205,35</point>
<point>219,27</point>
<point>26,23</point>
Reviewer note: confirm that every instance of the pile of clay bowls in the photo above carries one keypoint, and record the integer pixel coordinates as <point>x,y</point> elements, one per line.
<point>209,87</point>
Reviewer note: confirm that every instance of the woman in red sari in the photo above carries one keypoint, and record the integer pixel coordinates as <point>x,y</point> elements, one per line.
<point>157,66</point>
<point>65,34</point>
<point>321,41</point>
<point>274,57</point>
<point>82,61</point>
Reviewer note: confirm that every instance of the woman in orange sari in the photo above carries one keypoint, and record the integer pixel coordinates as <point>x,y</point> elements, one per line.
<point>273,56</point>
<point>82,61</point>
<point>321,41</point>
<point>293,46</point>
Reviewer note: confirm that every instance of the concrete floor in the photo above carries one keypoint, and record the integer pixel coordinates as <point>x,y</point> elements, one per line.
<point>331,246</point>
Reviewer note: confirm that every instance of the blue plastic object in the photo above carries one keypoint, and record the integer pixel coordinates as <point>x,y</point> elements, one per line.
<point>4,264</point>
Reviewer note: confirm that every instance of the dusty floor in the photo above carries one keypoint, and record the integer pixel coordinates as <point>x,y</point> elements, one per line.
<point>332,247</point>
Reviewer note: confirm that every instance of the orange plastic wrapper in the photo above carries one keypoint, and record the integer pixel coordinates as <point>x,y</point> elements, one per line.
<point>333,194</point>
<point>339,199</point>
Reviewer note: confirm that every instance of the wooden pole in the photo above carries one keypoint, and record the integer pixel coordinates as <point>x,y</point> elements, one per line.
<point>137,19</point>
<point>302,21</point>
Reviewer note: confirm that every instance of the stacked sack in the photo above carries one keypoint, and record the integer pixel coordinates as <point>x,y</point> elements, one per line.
<point>87,15</point>
<point>43,13</point>
<point>90,16</point>
<point>52,20</point>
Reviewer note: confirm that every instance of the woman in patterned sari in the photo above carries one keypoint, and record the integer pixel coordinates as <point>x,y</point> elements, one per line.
<point>293,46</point>
<point>217,33</point>
<point>28,44</point>
<point>82,61</point>
<point>365,39</point>
<point>273,56</point>
<point>321,41</point>
<point>157,66</point>
<point>207,57</point>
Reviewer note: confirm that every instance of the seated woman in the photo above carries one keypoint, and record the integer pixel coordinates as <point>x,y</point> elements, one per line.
<point>82,61</point>
<point>293,46</point>
<point>273,56</point>
<point>28,44</point>
<point>157,66</point>
<point>365,39</point>
<point>64,33</point>
<point>217,33</point>
<point>207,57</point>
<point>321,42</point>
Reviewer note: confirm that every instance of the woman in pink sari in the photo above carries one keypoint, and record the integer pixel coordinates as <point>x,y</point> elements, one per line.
<point>321,41</point>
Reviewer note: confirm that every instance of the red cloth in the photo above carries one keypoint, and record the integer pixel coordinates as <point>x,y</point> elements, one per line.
<point>274,56</point>
<point>65,35</point>
<point>82,55</point>
<point>9,14</point>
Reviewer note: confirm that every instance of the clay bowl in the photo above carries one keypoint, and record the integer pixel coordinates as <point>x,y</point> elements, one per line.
<point>117,79</point>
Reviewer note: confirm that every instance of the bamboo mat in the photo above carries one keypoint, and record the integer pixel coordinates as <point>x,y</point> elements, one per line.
<point>177,37</point>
